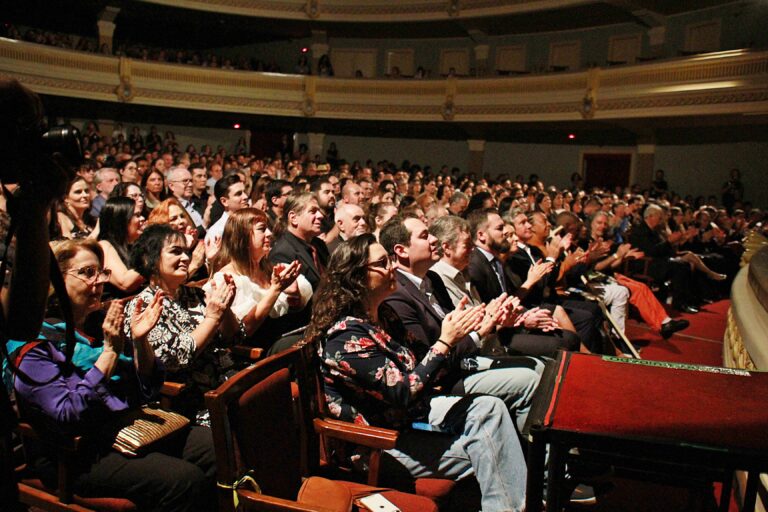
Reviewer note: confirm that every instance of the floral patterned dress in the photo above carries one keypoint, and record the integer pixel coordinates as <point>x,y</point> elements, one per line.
<point>174,346</point>
<point>371,379</point>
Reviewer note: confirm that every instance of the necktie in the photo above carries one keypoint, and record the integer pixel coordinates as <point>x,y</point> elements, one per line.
<point>499,273</point>
<point>316,259</point>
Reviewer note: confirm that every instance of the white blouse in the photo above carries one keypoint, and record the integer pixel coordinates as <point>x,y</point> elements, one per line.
<point>249,294</point>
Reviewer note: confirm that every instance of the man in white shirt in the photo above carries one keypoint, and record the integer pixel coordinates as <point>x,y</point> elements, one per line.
<point>230,192</point>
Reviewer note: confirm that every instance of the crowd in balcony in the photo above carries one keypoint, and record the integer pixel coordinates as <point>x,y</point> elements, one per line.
<point>408,278</point>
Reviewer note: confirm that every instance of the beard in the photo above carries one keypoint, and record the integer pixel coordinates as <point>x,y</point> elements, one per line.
<point>500,247</point>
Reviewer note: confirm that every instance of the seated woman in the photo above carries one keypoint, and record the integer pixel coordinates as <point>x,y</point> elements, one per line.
<point>267,296</point>
<point>72,212</point>
<point>171,212</point>
<point>153,183</point>
<point>132,190</point>
<point>370,378</point>
<point>120,224</point>
<point>88,394</point>
<point>192,329</point>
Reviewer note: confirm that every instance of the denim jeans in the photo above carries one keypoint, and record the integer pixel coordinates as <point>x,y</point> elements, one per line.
<point>515,386</point>
<point>482,441</point>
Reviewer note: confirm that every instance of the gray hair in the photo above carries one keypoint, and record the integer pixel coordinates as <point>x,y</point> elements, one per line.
<point>100,175</point>
<point>652,209</point>
<point>447,229</point>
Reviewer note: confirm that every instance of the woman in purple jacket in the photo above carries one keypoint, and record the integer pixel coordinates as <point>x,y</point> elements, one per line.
<point>87,394</point>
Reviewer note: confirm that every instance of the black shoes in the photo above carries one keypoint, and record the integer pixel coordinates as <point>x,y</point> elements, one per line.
<point>686,308</point>
<point>671,327</point>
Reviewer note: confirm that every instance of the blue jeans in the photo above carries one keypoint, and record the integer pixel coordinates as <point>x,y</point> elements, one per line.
<point>515,386</point>
<point>483,442</point>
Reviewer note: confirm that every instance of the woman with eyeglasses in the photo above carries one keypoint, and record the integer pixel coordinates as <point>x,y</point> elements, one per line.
<point>267,295</point>
<point>371,378</point>
<point>120,224</point>
<point>194,328</point>
<point>133,191</point>
<point>88,395</point>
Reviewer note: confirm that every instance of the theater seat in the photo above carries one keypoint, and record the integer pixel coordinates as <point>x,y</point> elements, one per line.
<point>264,430</point>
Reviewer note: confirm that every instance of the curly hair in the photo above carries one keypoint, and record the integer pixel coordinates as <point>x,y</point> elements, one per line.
<point>343,289</point>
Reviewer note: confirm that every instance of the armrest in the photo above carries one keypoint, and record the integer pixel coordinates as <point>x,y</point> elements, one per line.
<point>68,444</point>
<point>250,500</point>
<point>372,437</point>
<point>246,352</point>
<point>171,389</point>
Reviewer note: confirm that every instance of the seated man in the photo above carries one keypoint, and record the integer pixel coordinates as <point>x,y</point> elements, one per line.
<point>412,313</point>
<point>646,237</point>
<point>534,246</point>
<point>453,235</point>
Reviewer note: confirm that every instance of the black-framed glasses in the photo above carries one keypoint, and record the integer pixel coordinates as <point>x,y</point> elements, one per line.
<point>90,275</point>
<point>383,263</point>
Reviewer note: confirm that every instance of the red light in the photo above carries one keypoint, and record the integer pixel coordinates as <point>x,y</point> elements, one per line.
<point>571,136</point>
<point>304,50</point>
<point>236,126</point>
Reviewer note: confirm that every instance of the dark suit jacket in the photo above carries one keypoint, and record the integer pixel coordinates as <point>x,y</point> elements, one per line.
<point>483,277</point>
<point>650,242</point>
<point>289,247</point>
<point>407,315</point>
<point>519,263</point>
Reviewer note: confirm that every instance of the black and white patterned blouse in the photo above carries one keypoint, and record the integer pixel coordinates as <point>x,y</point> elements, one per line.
<point>175,347</point>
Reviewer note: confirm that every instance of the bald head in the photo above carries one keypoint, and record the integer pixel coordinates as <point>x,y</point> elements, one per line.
<point>352,193</point>
<point>350,219</point>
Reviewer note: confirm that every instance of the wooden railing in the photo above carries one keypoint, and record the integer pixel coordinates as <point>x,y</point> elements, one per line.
<point>724,82</point>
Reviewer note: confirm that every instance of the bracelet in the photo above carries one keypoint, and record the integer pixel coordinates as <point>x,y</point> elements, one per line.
<point>615,256</point>
<point>444,343</point>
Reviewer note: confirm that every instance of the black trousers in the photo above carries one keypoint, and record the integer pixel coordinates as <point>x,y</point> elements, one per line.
<point>179,477</point>
<point>544,344</point>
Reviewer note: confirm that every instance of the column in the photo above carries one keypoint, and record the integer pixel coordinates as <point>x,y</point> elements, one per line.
<point>476,156</point>
<point>319,47</point>
<point>481,59</point>
<point>106,26</point>
<point>645,166</point>
<point>315,145</point>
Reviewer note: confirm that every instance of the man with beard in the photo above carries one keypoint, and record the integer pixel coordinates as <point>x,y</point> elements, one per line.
<point>536,245</point>
<point>412,314</point>
<point>455,239</point>
<point>322,187</point>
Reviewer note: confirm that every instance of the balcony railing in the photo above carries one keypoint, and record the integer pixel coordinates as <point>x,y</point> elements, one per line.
<point>717,83</point>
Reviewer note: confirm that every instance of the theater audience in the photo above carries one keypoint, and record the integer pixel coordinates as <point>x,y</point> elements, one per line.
<point>372,377</point>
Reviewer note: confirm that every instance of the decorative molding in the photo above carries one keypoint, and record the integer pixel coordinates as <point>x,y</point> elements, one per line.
<point>371,10</point>
<point>735,354</point>
<point>727,82</point>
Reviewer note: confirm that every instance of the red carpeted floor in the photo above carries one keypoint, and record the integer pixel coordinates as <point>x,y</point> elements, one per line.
<point>701,343</point>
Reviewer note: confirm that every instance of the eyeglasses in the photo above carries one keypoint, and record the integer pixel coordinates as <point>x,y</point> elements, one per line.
<point>90,275</point>
<point>184,181</point>
<point>384,263</point>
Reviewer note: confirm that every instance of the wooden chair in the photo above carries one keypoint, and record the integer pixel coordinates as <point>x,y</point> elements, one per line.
<point>263,425</point>
<point>33,492</point>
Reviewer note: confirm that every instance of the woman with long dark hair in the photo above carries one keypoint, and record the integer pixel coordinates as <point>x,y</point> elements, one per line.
<point>120,224</point>
<point>72,211</point>
<point>370,378</point>
<point>153,184</point>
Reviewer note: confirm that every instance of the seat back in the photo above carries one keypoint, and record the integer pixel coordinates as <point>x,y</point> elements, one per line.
<point>260,425</point>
